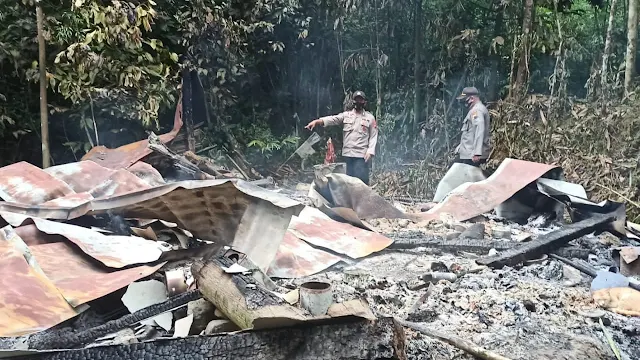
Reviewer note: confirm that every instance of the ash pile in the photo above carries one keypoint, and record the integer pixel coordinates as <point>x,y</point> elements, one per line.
<point>146,252</point>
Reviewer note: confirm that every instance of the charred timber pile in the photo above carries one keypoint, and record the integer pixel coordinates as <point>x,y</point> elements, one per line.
<point>60,339</point>
<point>548,242</point>
<point>382,339</point>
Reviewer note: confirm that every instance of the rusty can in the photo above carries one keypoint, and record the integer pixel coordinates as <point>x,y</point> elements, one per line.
<point>316,297</point>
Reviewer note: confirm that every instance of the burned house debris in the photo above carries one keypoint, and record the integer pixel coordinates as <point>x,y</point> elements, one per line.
<point>118,256</point>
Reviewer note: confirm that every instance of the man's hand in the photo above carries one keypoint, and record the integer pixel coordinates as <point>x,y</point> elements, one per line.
<point>367,157</point>
<point>312,124</point>
<point>476,158</point>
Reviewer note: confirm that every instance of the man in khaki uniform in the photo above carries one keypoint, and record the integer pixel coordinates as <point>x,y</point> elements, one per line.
<point>360,134</point>
<point>474,145</point>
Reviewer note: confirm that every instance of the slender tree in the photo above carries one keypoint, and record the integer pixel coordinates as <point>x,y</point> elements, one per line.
<point>522,75</point>
<point>604,71</point>
<point>417,100</point>
<point>632,42</point>
<point>42,65</point>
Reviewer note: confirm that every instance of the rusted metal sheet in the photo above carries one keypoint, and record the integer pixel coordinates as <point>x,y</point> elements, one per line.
<point>211,210</point>
<point>69,201</point>
<point>80,176</point>
<point>89,177</point>
<point>27,184</point>
<point>296,258</point>
<point>318,229</point>
<point>349,192</point>
<point>112,251</point>
<point>231,212</point>
<point>80,280</point>
<point>472,199</point>
<point>147,173</point>
<point>30,234</point>
<point>127,155</point>
<point>30,301</point>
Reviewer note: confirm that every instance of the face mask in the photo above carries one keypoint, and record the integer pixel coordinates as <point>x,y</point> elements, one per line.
<point>359,105</point>
<point>469,102</point>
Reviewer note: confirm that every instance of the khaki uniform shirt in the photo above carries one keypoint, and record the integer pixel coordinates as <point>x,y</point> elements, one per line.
<point>475,133</point>
<point>359,131</point>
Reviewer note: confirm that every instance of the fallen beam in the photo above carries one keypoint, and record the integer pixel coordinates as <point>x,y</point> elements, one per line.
<point>458,342</point>
<point>469,245</point>
<point>547,243</point>
<point>240,297</point>
<point>474,246</point>
<point>60,339</point>
<point>381,339</point>
<point>180,161</point>
<point>203,164</point>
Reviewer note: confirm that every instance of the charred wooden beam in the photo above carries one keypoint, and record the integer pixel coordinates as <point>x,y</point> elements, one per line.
<point>178,161</point>
<point>469,245</point>
<point>381,339</point>
<point>474,246</point>
<point>53,339</point>
<point>548,242</point>
<point>203,164</point>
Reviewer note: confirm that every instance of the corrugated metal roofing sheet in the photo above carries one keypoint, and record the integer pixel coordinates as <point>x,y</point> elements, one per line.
<point>472,199</point>
<point>211,209</point>
<point>318,229</point>
<point>112,251</point>
<point>296,258</point>
<point>80,280</point>
<point>127,155</point>
<point>30,301</point>
<point>226,211</point>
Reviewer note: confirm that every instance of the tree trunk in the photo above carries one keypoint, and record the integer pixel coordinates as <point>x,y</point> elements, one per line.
<point>187,108</point>
<point>382,339</point>
<point>522,75</point>
<point>42,65</point>
<point>632,41</point>
<point>417,99</point>
<point>604,71</point>
<point>494,81</point>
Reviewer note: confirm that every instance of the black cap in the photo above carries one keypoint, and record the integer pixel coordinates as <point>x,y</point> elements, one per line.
<point>468,91</point>
<point>359,94</point>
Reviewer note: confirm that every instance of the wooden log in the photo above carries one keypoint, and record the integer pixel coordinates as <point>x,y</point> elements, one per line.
<point>250,305</point>
<point>158,147</point>
<point>203,164</point>
<point>241,298</point>
<point>460,343</point>
<point>376,340</point>
<point>547,243</point>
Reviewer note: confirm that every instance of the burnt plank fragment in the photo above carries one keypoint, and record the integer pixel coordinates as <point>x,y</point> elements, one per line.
<point>381,339</point>
<point>470,245</point>
<point>548,242</point>
<point>53,339</point>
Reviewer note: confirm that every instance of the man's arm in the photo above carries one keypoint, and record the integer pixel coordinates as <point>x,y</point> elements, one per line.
<point>327,121</point>
<point>373,140</point>
<point>478,121</point>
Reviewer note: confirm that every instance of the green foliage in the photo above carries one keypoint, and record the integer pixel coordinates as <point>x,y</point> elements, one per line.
<point>270,66</point>
<point>263,140</point>
<point>109,53</point>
